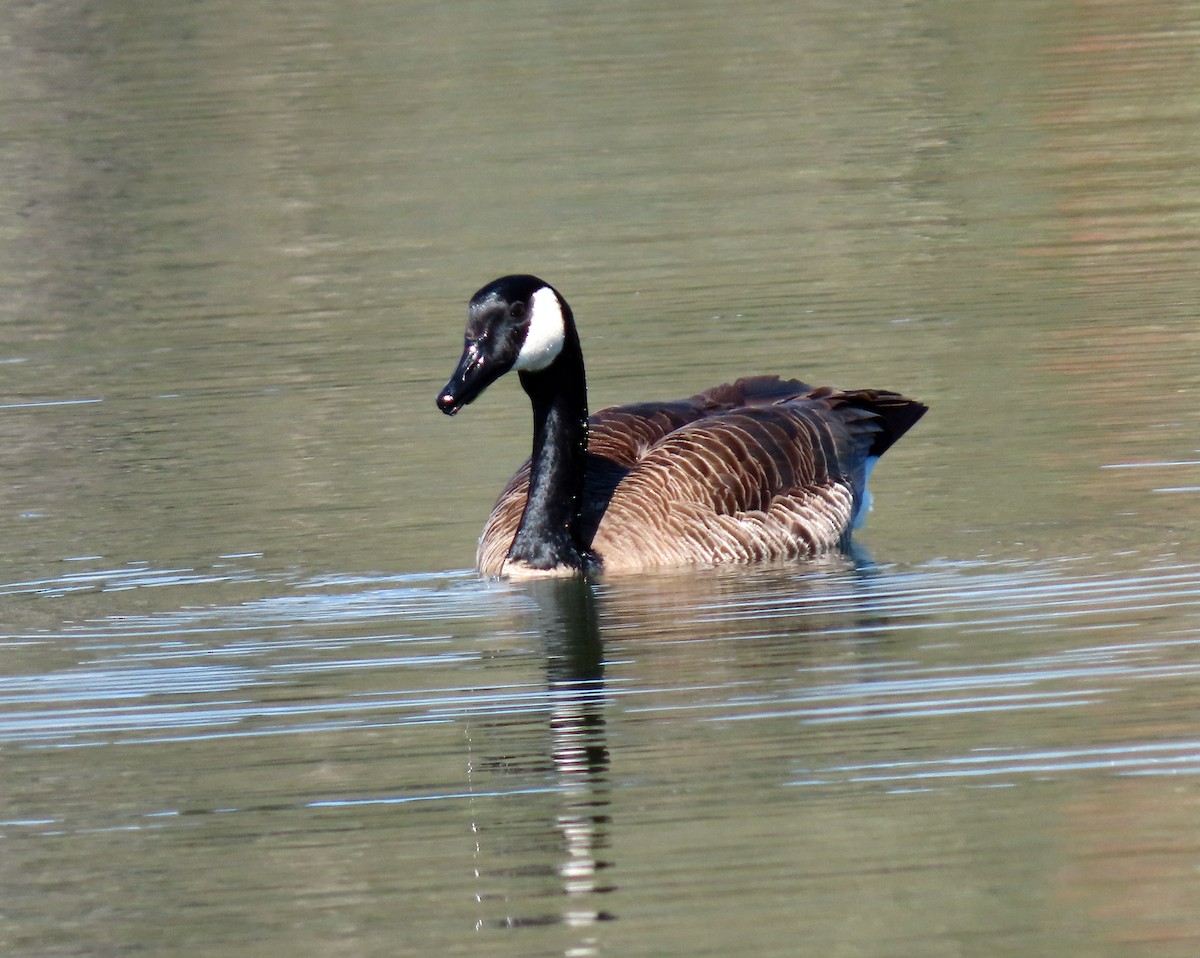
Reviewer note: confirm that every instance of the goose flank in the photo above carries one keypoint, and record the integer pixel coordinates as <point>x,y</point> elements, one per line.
<point>761,469</point>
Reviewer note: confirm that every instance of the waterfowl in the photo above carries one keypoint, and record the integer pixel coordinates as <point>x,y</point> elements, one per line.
<point>759,469</point>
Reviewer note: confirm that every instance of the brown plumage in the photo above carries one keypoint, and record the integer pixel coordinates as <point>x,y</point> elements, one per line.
<point>756,470</point>
<point>752,471</point>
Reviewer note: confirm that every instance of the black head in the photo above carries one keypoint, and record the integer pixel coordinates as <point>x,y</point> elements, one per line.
<point>515,322</point>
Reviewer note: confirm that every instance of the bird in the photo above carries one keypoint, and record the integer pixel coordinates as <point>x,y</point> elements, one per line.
<point>762,469</point>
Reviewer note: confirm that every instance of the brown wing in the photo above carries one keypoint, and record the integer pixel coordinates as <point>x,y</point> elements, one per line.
<point>758,469</point>
<point>759,483</point>
<point>619,437</point>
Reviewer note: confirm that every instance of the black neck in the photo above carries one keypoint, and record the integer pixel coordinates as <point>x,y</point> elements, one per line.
<point>548,536</point>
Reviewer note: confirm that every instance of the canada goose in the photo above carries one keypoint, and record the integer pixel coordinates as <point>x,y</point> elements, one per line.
<point>759,469</point>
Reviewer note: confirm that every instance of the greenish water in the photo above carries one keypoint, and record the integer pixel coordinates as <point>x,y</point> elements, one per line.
<point>254,703</point>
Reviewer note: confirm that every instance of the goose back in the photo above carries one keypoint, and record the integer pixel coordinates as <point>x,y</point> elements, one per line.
<point>758,469</point>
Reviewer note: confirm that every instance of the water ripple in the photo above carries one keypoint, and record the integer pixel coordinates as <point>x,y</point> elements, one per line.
<point>343,653</point>
<point>1148,758</point>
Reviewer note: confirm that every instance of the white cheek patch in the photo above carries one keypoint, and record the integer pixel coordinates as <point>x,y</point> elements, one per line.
<point>544,338</point>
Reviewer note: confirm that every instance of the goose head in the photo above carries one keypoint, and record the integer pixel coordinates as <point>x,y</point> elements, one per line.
<point>515,322</point>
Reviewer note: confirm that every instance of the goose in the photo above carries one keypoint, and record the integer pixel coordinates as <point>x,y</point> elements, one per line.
<point>758,470</point>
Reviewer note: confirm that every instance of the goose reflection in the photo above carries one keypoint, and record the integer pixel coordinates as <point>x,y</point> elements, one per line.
<point>576,760</point>
<point>722,628</point>
<point>575,672</point>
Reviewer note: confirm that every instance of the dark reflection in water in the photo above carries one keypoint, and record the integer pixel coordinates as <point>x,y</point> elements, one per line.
<point>570,617</point>
<point>566,619</point>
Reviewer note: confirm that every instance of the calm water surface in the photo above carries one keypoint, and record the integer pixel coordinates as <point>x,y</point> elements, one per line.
<point>254,702</point>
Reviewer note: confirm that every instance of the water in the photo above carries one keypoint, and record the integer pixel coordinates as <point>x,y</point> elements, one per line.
<point>253,701</point>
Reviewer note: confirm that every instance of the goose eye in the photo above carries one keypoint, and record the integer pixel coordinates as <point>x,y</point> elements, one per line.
<point>517,310</point>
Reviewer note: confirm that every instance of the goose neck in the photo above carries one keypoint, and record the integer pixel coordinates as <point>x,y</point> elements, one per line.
<point>548,535</point>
